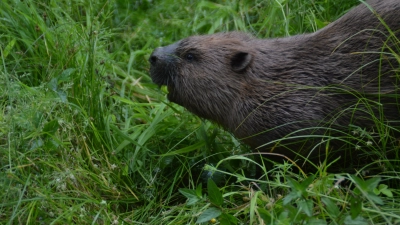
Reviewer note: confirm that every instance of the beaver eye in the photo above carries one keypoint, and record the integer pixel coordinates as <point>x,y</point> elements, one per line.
<point>189,57</point>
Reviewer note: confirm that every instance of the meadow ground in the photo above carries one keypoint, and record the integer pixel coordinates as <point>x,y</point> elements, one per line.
<point>87,138</point>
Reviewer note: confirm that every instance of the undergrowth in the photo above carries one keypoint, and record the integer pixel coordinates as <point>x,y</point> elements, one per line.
<point>87,138</point>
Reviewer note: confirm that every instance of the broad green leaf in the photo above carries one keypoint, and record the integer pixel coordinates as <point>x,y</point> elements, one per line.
<point>377,191</point>
<point>209,214</point>
<point>305,184</point>
<point>315,221</point>
<point>53,84</point>
<point>8,48</point>
<point>214,194</point>
<point>265,215</point>
<point>290,197</point>
<point>355,207</point>
<point>306,206</point>
<point>227,219</point>
<point>51,127</point>
<point>293,184</point>
<point>367,188</point>
<point>191,195</point>
<point>372,183</point>
<point>199,189</point>
<point>36,143</point>
<point>63,95</point>
<point>368,185</point>
<point>331,207</point>
<point>372,196</point>
<point>387,192</point>
<point>307,181</point>
<point>355,221</point>
<point>65,75</point>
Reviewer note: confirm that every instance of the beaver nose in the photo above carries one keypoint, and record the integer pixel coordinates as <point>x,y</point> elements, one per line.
<point>153,59</point>
<point>155,56</point>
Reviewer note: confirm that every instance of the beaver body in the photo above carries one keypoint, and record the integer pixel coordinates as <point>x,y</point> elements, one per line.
<point>263,90</point>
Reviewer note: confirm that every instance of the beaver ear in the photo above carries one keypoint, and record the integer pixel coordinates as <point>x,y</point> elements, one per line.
<point>240,60</point>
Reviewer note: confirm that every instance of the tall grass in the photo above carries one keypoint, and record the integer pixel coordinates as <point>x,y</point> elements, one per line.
<point>86,138</point>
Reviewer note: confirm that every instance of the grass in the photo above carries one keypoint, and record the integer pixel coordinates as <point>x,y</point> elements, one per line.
<point>86,138</point>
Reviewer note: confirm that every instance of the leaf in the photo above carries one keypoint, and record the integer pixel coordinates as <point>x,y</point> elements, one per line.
<point>214,194</point>
<point>53,84</point>
<point>65,75</point>
<point>199,190</point>
<point>307,181</point>
<point>356,207</point>
<point>293,184</point>
<point>191,195</point>
<point>63,95</point>
<point>373,197</point>
<point>125,170</point>
<point>300,188</point>
<point>315,221</point>
<point>209,214</point>
<point>227,219</point>
<point>305,184</point>
<point>372,183</point>
<point>383,189</point>
<point>291,196</point>
<point>37,143</point>
<point>366,186</point>
<point>51,127</point>
<point>355,221</point>
<point>387,192</point>
<point>265,215</point>
<point>8,48</point>
<point>331,207</point>
<point>377,191</point>
<point>306,206</point>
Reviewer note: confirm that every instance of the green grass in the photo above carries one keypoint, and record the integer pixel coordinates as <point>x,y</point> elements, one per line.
<point>86,138</point>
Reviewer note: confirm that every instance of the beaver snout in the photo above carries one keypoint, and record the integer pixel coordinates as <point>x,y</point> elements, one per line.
<point>163,55</point>
<point>162,62</point>
<point>154,57</point>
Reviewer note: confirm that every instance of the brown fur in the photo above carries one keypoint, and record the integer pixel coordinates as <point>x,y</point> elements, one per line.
<point>262,90</point>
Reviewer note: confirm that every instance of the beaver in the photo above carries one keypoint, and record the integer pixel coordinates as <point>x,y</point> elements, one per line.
<point>265,90</point>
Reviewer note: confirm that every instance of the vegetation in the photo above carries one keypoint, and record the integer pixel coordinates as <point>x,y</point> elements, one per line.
<point>87,138</point>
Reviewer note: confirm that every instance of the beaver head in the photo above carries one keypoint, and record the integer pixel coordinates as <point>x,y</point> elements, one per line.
<point>205,74</point>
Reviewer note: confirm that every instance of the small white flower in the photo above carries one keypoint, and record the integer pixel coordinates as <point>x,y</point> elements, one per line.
<point>103,202</point>
<point>113,166</point>
<point>355,132</point>
<point>358,147</point>
<point>369,143</point>
<point>62,187</point>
